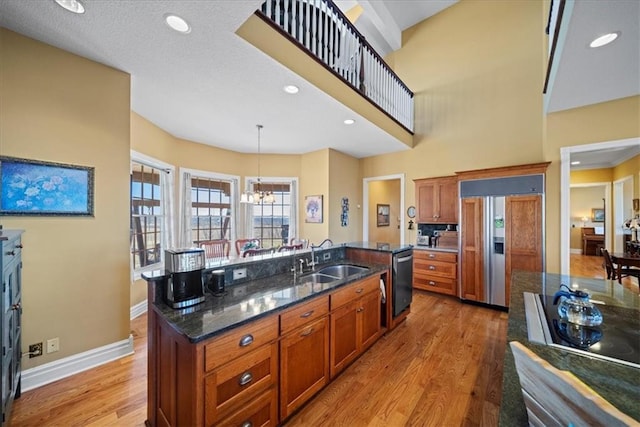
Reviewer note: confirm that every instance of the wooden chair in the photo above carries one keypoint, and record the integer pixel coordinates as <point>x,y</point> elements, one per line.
<point>215,249</point>
<point>557,398</point>
<point>254,252</point>
<point>612,269</point>
<point>285,248</point>
<point>240,244</point>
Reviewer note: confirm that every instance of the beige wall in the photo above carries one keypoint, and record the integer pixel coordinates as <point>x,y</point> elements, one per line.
<point>314,181</point>
<point>387,193</point>
<point>477,71</point>
<point>344,182</point>
<point>59,107</point>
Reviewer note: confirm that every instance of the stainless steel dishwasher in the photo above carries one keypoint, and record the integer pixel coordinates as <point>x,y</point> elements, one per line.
<point>402,281</point>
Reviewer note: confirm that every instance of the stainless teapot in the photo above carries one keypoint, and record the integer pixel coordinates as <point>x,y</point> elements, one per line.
<point>575,307</point>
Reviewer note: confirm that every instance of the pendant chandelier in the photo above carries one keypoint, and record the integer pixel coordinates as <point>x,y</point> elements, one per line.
<point>258,195</point>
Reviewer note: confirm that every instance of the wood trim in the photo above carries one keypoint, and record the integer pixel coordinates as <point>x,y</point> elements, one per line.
<point>437,178</point>
<point>528,169</point>
<point>556,35</point>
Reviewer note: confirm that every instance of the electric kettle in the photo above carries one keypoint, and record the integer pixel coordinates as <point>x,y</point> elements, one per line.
<point>575,307</point>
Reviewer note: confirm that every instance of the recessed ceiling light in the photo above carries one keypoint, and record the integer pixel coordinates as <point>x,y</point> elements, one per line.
<point>604,40</point>
<point>349,121</point>
<point>177,23</point>
<point>71,5</point>
<point>291,89</point>
<point>575,162</point>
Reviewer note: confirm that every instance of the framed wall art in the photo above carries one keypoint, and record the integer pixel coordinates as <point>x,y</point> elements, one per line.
<point>383,215</point>
<point>37,188</point>
<point>313,209</point>
<point>597,215</point>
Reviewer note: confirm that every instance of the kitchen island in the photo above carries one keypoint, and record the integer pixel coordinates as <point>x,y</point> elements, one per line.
<point>615,382</point>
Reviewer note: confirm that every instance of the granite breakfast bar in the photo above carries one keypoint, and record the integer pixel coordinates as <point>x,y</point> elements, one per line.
<point>615,382</point>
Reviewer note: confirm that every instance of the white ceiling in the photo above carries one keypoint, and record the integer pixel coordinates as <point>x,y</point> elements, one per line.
<point>213,87</point>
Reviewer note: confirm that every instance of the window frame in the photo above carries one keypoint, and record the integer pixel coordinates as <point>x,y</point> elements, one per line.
<point>145,160</point>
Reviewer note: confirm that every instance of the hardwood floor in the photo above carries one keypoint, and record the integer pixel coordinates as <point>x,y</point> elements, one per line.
<point>442,366</point>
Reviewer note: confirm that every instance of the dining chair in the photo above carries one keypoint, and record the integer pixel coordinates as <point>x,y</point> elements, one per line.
<point>244,244</point>
<point>624,270</point>
<point>558,398</point>
<point>296,241</point>
<point>260,251</point>
<point>215,249</point>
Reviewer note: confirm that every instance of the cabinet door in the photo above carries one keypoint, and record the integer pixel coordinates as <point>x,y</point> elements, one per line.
<point>304,365</point>
<point>447,202</point>
<point>472,271</point>
<point>425,200</point>
<point>369,317</point>
<point>344,336</point>
<point>523,233</point>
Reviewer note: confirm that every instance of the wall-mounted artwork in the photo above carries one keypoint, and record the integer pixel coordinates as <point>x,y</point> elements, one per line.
<point>37,188</point>
<point>313,209</point>
<point>344,216</point>
<point>597,215</point>
<point>383,215</point>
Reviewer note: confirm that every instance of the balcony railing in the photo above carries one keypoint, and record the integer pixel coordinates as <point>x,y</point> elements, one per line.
<point>321,29</point>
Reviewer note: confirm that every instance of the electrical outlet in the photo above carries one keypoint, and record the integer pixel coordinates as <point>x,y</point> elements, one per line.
<point>326,256</point>
<point>239,273</point>
<point>35,350</point>
<point>53,345</point>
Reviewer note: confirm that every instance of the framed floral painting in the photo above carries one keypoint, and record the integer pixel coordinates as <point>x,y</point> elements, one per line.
<point>37,188</point>
<point>313,209</point>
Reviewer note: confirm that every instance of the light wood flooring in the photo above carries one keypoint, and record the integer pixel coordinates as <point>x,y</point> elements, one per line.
<point>442,366</point>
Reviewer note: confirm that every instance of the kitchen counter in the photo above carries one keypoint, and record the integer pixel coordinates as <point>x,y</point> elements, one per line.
<point>617,383</point>
<point>248,301</point>
<point>378,246</point>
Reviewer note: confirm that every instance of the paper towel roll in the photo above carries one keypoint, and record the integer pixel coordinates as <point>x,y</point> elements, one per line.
<point>383,291</point>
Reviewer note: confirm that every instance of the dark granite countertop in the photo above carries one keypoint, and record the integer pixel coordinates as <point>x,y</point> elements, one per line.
<point>617,383</point>
<point>379,246</point>
<point>249,301</point>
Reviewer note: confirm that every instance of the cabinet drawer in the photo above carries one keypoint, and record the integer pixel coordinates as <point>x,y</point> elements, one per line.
<point>435,268</point>
<point>240,380</point>
<point>260,412</point>
<point>435,256</point>
<point>437,284</point>
<point>353,291</point>
<point>240,341</point>
<point>304,313</point>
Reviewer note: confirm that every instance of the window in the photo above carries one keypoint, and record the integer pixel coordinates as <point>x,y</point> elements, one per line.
<point>271,221</point>
<point>146,215</point>
<point>210,209</point>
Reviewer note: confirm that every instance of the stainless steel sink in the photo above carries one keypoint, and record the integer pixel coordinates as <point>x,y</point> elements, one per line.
<point>342,271</point>
<point>318,278</point>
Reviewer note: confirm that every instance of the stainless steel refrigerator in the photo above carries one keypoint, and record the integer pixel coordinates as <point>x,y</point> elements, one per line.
<point>494,246</point>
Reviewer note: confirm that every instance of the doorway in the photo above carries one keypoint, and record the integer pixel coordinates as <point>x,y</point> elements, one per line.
<point>565,183</point>
<point>388,191</point>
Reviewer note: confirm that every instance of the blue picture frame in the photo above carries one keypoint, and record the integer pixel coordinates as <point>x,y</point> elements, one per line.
<point>37,188</point>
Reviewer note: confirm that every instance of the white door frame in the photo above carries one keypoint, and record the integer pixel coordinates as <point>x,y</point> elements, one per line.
<point>365,204</point>
<point>565,181</point>
<point>619,200</point>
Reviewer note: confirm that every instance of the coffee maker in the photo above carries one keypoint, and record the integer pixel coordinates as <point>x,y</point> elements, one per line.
<point>184,287</point>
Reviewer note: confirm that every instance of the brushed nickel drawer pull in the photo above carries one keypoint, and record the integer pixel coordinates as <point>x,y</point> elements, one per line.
<point>432,267</point>
<point>432,283</point>
<point>247,424</point>
<point>246,378</point>
<point>432,255</point>
<point>307,314</point>
<point>360,309</point>
<point>246,340</point>
<point>359,291</point>
<point>307,332</point>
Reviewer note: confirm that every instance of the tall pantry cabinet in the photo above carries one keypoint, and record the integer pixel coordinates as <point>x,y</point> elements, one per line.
<point>11,309</point>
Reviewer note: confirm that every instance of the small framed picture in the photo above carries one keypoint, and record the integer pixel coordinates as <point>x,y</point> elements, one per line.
<point>597,215</point>
<point>383,215</point>
<point>313,209</point>
<point>636,205</point>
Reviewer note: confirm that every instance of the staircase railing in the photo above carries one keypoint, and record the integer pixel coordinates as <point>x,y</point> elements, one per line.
<point>321,29</point>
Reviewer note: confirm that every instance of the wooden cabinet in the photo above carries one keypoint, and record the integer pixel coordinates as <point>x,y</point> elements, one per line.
<point>11,318</point>
<point>355,322</point>
<point>304,354</point>
<point>472,249</point>
<point>435,271</point>
<point>437,200</point>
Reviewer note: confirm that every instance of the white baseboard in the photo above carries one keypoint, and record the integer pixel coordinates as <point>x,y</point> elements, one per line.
<point>576,251</point>
<point>54,371</point>
<point>138,309</point>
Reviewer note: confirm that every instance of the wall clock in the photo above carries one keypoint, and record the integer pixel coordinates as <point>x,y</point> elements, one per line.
<point>411,212</point>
